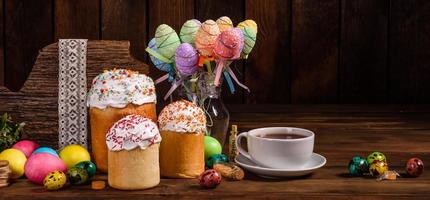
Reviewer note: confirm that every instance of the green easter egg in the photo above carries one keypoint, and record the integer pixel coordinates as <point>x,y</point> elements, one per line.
<point>189,31</point>
<point>77,176</point>
<point>250,36</point>
<point>212,147</point>
<point>89,166</point>
<point>166,40</point>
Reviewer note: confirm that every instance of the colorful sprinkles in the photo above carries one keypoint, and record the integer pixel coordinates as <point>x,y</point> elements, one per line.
<point>182,116</point>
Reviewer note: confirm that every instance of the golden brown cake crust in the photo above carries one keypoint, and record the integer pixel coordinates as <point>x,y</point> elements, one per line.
<point>135,169</point>
<point>102,119</point>
<point>181,154</point>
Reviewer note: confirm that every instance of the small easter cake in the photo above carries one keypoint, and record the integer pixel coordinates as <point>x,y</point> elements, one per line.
<point>182,126</point>
<point>113,95</point>
<point>133,148</point>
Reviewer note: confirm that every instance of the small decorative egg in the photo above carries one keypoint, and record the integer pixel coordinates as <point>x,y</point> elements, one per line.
<point>77,176</point>
<point>55,180</point>
<point>217,158</point>
<point>376,156</point>
<point>378,167</point>
<point>89,166</point>
<point>212,146</point>
<point>358,166</point>
<point>414,167</point>
<point>209,178</point>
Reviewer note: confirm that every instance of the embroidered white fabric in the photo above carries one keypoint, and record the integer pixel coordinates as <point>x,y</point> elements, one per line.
<point>72,86</point>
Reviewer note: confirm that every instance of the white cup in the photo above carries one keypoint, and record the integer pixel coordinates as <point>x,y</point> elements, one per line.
<point>278,153</point>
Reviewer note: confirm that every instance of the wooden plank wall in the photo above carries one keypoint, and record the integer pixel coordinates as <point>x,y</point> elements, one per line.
<point>308,51</point>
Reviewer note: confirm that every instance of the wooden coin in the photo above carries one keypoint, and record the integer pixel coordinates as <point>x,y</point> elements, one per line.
<point>4,163</point>
<point>98,185</point>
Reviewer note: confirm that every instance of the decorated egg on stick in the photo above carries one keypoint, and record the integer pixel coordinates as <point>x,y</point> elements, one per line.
<point>228,45</point>
<point>166,40</point>
<point>224,23</point>
<point>186,59</point>
<point>189,31</point>
<point>248,23</point>
<point>250,37</point>
<point>159,64</point>
<point>206,36</point>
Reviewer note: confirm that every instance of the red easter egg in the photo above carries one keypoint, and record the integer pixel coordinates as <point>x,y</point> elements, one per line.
<point>209,179</point>
<point>39,165</point>
<point>26,146</point>
<point>414,167</point>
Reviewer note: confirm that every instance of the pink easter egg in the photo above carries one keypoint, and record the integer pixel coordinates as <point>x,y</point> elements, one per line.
<point>228,45</point>
<point>39,165</point>
<point>26,146</point>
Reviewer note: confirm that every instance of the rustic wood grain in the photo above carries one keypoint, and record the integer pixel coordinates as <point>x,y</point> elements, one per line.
<point>268,68</point>
<point>28,28</point>
<point>409,55</point>
<point>315,34</point>
<point>210,9</point>
<point>363,51</point>
<point>126,20</point>
<point>37,102</point>
<point>342,131</point>
<point>173,13</point>
<point>1,43</point>
<point>77,19</point>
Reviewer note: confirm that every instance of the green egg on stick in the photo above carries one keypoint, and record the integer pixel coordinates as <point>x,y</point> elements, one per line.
<point>189,31</point>
<point>166,41</point>
<point>250,36</point>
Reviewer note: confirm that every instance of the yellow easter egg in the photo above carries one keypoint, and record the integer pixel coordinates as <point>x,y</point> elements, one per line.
<point>74,154</point>
<point>16,161</point>
<point>224,23</point>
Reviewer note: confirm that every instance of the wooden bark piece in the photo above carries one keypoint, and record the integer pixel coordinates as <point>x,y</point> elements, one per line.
<point>37,102</point>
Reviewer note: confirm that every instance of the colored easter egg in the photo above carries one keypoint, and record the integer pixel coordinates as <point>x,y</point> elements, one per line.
<point>228,45</point>
<point>414,167</point>
<point>163,66</point>
<point>376,156</point>
<point>206,36</point>
<point>209,179</point>
<point>248,23</point>
<point>16,161</point>
<point>88,166</point>
<point>26,146</point>
<point>186,59</point>
<point>166,40</point>
<point>55,180</point>
<point>189,31</point>
<point>358,166</point>
<point>45,150</point>
<point>224,23</point>
<point>217,158</point>
<point>77,176</point>
<point>250,37</point>
<point>212,146</point>
<point>41,164</point>
<point>378,167</point>
<point>74,154</point>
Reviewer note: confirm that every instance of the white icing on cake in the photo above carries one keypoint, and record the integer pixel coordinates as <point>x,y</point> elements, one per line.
<point>131,132</point>
<point>119,87</point>
<point>182,116</point>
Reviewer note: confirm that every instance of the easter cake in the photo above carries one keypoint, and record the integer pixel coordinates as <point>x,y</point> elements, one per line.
<point>182,126</point>
<point>113,95</point>
<point>133,151</point>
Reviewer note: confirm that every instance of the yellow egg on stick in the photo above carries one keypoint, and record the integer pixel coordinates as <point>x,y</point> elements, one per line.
<point>224,23</point>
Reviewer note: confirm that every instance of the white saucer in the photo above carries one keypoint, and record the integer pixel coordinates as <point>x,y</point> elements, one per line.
<point>314,163</point>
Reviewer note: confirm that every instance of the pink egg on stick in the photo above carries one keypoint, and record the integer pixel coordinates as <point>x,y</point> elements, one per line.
<point>228,46</point>
<point>186,58</point>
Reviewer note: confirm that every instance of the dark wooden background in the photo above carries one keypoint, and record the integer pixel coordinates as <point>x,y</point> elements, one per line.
<point>308,51</point>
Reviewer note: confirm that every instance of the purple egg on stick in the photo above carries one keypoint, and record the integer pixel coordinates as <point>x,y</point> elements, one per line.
<point>186,58</point>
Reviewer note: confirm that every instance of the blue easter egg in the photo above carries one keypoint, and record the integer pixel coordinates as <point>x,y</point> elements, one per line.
<point>45,150</point>
<point>167,67</point>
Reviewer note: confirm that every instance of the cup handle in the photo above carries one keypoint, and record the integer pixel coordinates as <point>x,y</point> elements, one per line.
<point>239,148</point>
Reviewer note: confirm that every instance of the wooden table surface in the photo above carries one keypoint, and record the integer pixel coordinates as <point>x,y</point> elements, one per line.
<point>342,131</point>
